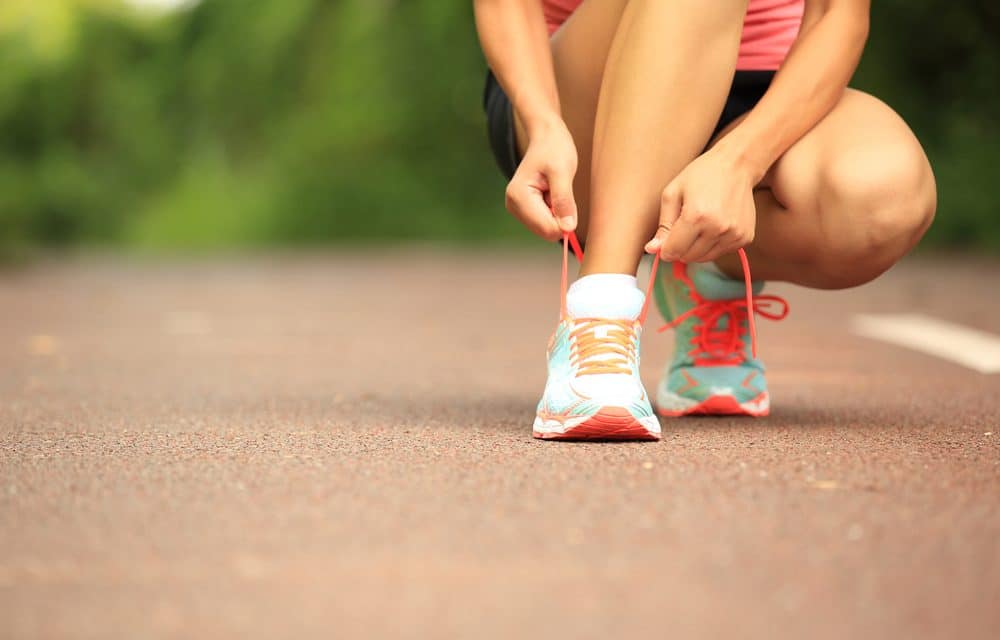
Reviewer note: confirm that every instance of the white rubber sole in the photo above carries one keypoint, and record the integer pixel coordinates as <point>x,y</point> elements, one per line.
<point>609,423</point>
<point>671,405</point>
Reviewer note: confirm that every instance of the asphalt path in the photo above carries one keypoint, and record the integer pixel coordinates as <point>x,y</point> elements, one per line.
<point>339,446</point>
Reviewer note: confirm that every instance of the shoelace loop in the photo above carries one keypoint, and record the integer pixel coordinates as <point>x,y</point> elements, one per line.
<point>612,352</point>
<point>715,344</point>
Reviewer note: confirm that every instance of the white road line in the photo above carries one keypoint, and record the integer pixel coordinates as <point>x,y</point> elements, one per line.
<point>977,350</point>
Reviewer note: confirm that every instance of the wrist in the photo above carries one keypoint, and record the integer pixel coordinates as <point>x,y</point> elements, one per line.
<point>743,157</point>
<point>540,123</point>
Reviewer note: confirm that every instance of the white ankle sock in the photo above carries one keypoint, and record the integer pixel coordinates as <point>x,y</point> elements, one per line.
<point>605,295</point>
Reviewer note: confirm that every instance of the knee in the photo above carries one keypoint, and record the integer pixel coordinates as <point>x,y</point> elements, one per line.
<point>890,200</point>
<point>874,211</point>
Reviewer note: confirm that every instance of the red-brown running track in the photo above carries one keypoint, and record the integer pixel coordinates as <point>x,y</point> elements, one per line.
<point>341,447</point>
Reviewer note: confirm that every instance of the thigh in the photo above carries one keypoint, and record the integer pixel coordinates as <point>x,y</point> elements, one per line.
<point>579,51</point>
<point>861,149</point>
<point>850,197</point>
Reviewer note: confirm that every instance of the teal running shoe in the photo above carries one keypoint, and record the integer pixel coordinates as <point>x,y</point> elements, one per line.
<point>593,391</point>
<point>714,370</point>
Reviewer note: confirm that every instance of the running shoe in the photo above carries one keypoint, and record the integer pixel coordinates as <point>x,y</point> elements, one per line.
<point>593,390</point>
<point>714,370</point>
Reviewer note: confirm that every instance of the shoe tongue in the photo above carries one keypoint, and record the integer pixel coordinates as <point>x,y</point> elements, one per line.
<point>714,285</point>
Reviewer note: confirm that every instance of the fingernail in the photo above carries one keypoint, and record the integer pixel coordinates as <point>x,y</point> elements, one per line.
<point>567,223</point>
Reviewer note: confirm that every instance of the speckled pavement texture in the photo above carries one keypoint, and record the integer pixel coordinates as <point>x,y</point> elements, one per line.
<point>339,447</point>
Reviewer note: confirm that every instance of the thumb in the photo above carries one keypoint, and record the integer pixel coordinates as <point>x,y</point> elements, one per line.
<point>670,210</point>
<point>562,201</point>
<point>653,246</point>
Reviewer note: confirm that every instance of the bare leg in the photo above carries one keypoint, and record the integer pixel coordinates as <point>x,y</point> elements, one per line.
<point>669,66</point>
<point>668,73</point>
<point>839,208</point>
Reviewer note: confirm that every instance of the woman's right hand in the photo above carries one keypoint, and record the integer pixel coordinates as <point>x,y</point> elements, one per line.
<point>540,194</point>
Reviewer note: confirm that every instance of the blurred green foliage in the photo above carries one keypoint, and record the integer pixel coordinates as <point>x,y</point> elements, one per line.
<point>291,122</point>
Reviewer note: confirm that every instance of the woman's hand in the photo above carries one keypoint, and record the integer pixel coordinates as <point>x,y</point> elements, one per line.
<point>706,211</point>
<point>541,192</point>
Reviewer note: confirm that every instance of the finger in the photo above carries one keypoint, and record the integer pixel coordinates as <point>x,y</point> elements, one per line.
<point>528,205</point>
<point>670,211</point>
<point>699,251</point>
<point>720,249</point>
<point>682,236</point>
<point>729,242</point>
<point>563,202</point>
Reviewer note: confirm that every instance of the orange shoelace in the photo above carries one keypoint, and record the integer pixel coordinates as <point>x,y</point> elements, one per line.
<point>616,345</point>
<point>712,344</point>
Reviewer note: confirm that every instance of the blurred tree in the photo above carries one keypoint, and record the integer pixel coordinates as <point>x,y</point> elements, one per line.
<point>234,123</point>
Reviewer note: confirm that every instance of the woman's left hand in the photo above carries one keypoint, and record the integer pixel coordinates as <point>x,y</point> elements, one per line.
<point>706,211</point>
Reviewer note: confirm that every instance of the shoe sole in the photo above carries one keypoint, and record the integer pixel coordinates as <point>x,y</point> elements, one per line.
<point>609,423</point>
<point>721,406</point>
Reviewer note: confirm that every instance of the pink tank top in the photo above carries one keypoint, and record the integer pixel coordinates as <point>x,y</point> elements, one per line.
<point>769,29</point>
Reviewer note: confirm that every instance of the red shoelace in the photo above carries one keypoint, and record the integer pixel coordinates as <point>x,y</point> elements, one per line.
<point>713,344</point>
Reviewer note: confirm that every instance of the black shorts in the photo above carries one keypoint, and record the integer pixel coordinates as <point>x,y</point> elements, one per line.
<point>748,88</point>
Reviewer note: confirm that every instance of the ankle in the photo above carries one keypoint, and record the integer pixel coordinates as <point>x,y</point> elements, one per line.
<point>600,259</point>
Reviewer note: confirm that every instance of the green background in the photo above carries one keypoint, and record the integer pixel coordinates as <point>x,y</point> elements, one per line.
<point>244,124</point>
